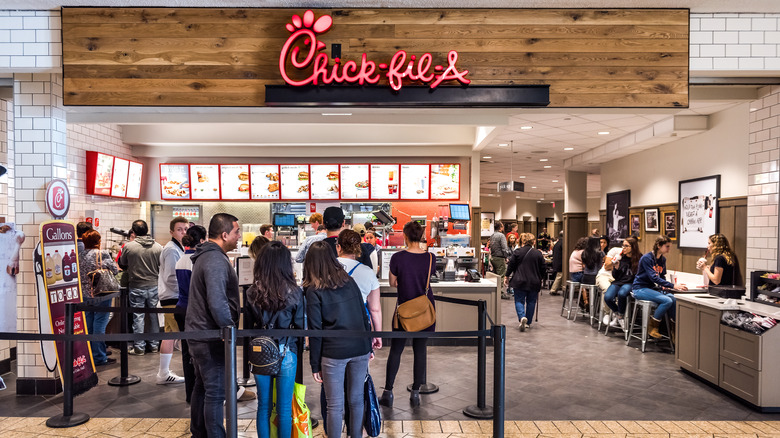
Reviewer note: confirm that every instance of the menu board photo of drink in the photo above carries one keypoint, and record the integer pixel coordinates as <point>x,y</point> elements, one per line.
<point>265,181</point>
<point>384,181</point>
<point>119,178</point>
<point>445,181</point>
<point>414,181</point>
<point>324,181</point>
<point>175,181</point>
<point>235,181</point>
<point>295,181</point>
<point>134,177</point>
<point>103,174</point>
<point>354,181</point>
<point>205,181</point>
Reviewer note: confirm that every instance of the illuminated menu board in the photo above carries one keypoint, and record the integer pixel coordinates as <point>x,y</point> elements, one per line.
<point>234,179</point>
<point>119,178</point>
<point>384,181</point>
<point>103,168</point>
<point>265,181</point>
<point>324,181</point>
<point>354,181</point>
<point>205,181</point>
<point>134,178</point>
<point>295,181</point>
<point>175,181</point>
<point>415,181</point>
<point>445,181</point>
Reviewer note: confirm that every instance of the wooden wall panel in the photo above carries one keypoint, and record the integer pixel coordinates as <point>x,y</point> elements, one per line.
<point>225,57</point>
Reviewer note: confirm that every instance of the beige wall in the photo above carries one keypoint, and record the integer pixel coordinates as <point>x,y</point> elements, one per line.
<point>525,207</point>
<point>593,209</point>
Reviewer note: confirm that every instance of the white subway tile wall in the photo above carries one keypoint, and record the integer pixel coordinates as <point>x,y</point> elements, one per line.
<point>30,41</point>
<point>734,42</point>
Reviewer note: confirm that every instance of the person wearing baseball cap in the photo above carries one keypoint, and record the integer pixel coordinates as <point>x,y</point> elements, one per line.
<point>333,219</point>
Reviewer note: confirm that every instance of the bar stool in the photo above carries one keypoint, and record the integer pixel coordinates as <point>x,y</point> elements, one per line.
<point>647,306</point>
<point>593,295</point>
<point>572,288</point>
<point>626,318</point>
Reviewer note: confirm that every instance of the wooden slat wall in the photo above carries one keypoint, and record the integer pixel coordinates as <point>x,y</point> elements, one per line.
<point>225,57</point>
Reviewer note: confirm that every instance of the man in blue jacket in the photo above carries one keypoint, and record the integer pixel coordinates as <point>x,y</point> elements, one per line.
<point>214,303</point>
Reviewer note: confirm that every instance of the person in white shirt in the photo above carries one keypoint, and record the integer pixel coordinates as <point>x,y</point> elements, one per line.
<point>168,288</point>
<point>348,248</point>
<point>315,220</point>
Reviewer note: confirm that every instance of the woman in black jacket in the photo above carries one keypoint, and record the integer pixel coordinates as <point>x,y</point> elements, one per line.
<point>276,301</point>
<point>334,302</point>
<point>526,269</point>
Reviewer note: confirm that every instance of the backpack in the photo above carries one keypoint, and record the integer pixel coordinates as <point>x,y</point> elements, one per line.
<point>265,353</point>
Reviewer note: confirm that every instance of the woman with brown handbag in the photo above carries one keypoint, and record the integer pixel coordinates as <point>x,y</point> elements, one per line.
<point>410,274</point>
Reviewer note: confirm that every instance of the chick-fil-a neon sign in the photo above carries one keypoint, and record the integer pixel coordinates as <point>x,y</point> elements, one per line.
<point>367,71</point>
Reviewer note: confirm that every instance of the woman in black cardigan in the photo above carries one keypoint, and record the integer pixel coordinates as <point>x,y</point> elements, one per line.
<point>526,270</point>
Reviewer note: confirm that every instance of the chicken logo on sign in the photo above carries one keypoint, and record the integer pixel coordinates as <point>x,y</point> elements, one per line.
<point>367,71</point>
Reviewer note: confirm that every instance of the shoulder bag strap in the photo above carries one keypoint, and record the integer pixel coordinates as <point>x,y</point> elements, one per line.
<point>353,269</point>
<point>428,283</point>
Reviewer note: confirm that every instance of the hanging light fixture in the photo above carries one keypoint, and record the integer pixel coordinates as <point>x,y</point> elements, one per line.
<point>511,185</point>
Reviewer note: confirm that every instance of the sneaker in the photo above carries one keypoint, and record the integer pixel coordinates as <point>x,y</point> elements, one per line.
<point>523,323</point>
<point>505,296</point>
<point>169,378</point>
<point>155,349</point>
<point>622,323</point>
<point>135,351</point>
<point>606,319</point>
<point>245,395</point>
<point>614,323</point>
<point>108,361</point>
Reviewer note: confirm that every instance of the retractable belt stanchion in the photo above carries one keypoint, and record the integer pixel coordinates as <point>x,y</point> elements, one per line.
<point>499,379</point>
<point>246,378</point>
<point>231,408</point>
<point>124,379</point>
<point>480,410</point>
<point>68,418</point>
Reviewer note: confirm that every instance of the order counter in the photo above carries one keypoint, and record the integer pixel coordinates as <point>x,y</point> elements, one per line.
<point>739,362</point>
<point>450,316</point>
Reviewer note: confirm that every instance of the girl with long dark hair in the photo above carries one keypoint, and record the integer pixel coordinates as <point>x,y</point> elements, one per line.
<point>721,267</point>
<point>623,267</point>
<point>592,260</point>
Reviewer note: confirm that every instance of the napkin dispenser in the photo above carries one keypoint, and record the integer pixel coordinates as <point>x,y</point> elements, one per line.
<point>727,291</point>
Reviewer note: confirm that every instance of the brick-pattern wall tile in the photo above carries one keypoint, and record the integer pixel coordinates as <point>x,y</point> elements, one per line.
<point>30,41</point>
<point>725,42</point>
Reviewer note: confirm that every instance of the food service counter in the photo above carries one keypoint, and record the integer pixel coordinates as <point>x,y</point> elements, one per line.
<point>450,316</point>
<point>739,362</point>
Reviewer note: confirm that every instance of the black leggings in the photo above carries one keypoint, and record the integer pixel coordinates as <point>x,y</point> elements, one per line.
<point>419,346</point>
<point>186,359</point>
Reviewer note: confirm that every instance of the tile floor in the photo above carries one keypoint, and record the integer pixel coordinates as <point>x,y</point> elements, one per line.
<point>559,371</point>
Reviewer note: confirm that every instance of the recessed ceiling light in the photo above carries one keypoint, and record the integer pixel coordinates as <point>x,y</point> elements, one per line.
<point>533,187</point>
<point>336,114</point>
<point>521,176</point>
<point>752,110</point>
<point>555,180</point>
<point>503,145</point>
<point>548,167</point>
<point>568,149</point>
<point>543,159</point>
<point>603,132</point>
<point>487,157</point>
<point>560,190</point>
<point>526,127</point>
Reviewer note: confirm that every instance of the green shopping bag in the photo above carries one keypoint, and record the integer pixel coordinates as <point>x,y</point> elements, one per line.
<point>301,416</point>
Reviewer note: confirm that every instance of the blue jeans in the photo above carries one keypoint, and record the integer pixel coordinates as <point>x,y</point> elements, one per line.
<point>335,373</point>
<point>144,298</point>
<point>208,394</point>
<point>285,383</point>
<point>96,325</point>
<point>525,304</point>
<point>665,301</point>
<point>621,292</point>
<point>577,276</point>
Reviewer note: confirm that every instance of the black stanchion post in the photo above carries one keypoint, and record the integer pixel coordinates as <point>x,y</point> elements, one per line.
<point>124,379</point>
<point>499,379</point>
<point>480,410</point>
<point>231,408</point>
<point>68,418</point>
<point>246,379</point>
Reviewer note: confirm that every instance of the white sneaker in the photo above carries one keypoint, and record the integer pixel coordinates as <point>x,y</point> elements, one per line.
<point>523,323</point>
<point>622,322</point>
<point>169,379</point>
<point>614,323</point>
<point>606,319</point>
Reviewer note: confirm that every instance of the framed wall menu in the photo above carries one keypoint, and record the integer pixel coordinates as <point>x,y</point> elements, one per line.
<point>234,181</point>
<point>445,181</point>
<point>135,174</point>
<point>324,181</point>
<point>415,181</point>
<point>294,181</point>
<point>175,181</point>
<point>385,181</point>
<point>205,181</point>
<point>264,181</point>
<point>119,178</point>
<point>99,173</point>
<point>354,181</point>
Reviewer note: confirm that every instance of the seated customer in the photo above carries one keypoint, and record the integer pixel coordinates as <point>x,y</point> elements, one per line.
<point>721,268</point>
<point>575,260</point>
<point>650,284</point>
<point>623,267</point>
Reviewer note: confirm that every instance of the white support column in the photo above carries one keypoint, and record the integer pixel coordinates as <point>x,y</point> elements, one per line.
<point>576,192</point>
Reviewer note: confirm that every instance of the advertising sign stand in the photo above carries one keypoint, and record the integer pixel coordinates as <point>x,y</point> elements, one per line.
<point>68,418</point>
<point>123,379</point>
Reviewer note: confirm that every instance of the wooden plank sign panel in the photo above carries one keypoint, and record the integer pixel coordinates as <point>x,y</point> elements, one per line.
<point>226,57</point>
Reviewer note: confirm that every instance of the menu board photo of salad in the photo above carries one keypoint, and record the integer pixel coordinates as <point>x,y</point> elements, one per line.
<point>119,178</point>
<point>414,181</point>
<point>265,181</point>
<point>384,181</point>
<point>175,181</point>
<point>235,181</point>
<point>295,181</point>
<point>445,181</point>
<point>103,174</point>
<point>324,181</point>
<point>354,181</point>
<point>134,177</point>
<point>205,181</point>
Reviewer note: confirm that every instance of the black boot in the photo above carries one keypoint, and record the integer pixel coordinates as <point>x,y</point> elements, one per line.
<point>387,398</point>
<point>414,399</point>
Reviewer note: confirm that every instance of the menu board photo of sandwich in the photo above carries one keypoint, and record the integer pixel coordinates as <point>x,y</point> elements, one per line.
<point>234,179</point>
<point>134,177</point>
<point>324,181</point>
<point>354,181</point>
<point>103,174</point>
<point>384,181</point>
<point>205,181</point>
<point>295,181</point>
<point>265,181</point>
<point>119,178</point>
<point>175,181</point>
<point>445,181</point>
<point>414,181</point>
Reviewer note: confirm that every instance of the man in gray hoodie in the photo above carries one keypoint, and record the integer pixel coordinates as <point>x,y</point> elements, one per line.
<point>214,303</point>
<point>140,260</point>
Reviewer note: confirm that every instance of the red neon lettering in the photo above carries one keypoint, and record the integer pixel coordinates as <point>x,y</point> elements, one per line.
<point>451,72</point>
